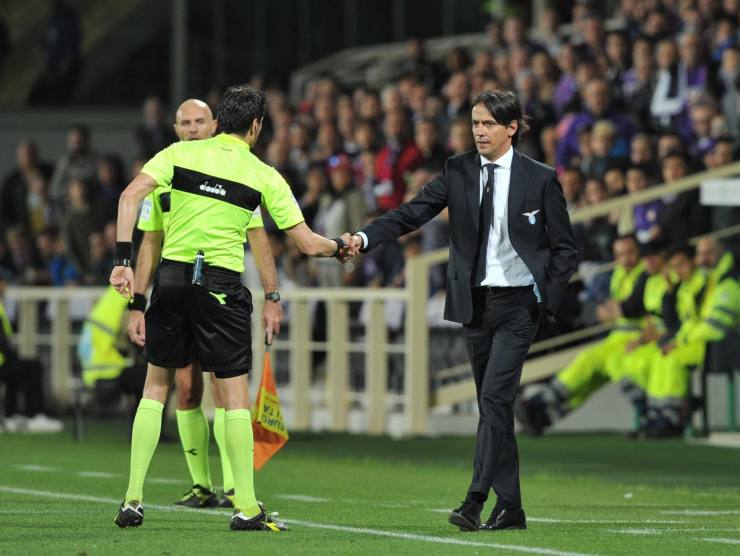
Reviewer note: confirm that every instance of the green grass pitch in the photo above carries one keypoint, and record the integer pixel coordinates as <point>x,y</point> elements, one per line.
<point>593,494</point>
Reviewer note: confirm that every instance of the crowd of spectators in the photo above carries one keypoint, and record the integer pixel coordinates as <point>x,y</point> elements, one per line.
<point>653,98</point>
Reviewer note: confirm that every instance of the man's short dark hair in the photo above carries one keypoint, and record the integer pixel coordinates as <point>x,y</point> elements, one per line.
<point>724,139</point>
<point>505,108</point>
<point>678,154</point>
<point>239,107</point>
<point>684,249</point>
<point>627,237</point>
<point>654,247</point>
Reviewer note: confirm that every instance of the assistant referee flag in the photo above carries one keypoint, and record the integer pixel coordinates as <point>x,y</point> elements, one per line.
<point>268,426</point>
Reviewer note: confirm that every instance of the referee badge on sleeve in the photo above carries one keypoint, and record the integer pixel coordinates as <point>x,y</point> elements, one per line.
<point>146,210</point>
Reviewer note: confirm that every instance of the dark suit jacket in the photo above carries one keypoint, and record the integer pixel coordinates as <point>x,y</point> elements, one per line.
<point>547,247</point>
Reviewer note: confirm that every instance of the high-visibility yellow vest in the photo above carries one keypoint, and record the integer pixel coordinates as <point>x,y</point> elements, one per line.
<point>656,287</point>
<point>689,297</point>
<point>621,286</point>
<point>97,351</point>
<point>719,311</point>
<point>7,328</point>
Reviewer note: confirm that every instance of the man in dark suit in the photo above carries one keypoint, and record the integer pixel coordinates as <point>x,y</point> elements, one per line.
<point>512,253</point>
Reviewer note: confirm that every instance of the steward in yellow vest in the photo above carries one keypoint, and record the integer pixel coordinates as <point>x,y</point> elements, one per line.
<point>103,351</point>
<point>637,288</point>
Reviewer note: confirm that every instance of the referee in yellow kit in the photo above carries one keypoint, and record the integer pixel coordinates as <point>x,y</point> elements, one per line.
<point>199,309</point>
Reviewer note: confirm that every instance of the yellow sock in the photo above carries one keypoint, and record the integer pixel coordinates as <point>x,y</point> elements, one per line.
<point>240,447</point>
<point>144,440</point>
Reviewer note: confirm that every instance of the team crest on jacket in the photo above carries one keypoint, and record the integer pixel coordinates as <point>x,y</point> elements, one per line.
<point>531,216</point>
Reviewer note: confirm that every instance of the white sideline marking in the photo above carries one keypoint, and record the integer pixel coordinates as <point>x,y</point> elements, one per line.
<point>700,512</point>
<point>302,498</point>
<point>98,475</point>
<point>601,521</point>
<point>164,481</point>
<point>440,540</point>
<point>720,540</point>
<point>309,524</point>
<point>637,531</point>
<point>32,467</point>
<point>604,521</point>
<point>648,531</point>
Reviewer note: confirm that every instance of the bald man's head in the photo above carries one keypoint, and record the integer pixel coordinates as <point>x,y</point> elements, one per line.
<point>708,252</point>
<point>194,120</point>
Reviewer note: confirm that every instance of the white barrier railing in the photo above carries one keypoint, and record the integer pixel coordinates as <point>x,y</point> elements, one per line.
<point>335,394</point>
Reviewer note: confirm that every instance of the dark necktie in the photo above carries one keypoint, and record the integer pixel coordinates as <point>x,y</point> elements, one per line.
<point>485,218</point>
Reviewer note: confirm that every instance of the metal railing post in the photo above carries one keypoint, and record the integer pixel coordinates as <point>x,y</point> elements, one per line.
<point>27,327</point>
<point>337,364</point>
<point>416,384</point>
<point>376,367</point>
<point>61,367</point>
<point>300,364</point>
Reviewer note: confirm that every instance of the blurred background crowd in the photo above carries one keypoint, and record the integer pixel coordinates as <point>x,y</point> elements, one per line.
<point>651,98</point>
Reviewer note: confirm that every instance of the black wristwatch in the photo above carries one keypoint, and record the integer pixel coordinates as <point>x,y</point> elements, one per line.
<point>273,296</point>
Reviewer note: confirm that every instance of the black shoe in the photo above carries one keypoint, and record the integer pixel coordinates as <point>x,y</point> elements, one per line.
<point>198,497</point>
<point>227,500</point>
<point>261,522</point>
<point>502,520</point>
<point>532,415</point>
<point>492,518</point>
<point>467,516</point>
<point>130,515</point>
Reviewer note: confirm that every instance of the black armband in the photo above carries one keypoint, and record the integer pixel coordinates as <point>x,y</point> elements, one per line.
<point>137,303</point>
<point>123,254</point>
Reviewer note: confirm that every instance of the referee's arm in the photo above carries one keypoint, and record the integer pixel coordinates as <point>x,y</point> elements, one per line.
<point>122,277</point>
<point>128,205</point>
<point>312,244</point>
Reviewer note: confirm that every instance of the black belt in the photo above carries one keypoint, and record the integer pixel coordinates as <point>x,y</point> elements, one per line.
<point>213,274</point>
<point>493,290</point>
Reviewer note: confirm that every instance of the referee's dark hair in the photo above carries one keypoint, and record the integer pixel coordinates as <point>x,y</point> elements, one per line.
<point>239,107</point>
<point>505,108</point>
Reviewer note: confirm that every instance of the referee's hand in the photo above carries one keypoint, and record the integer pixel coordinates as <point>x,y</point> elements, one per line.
<point>272,316</point>
<point>122,279</point>
<point>137,328</point>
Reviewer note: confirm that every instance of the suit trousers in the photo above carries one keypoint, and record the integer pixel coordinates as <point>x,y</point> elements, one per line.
<point>24,379</point>
<point>498,338</point>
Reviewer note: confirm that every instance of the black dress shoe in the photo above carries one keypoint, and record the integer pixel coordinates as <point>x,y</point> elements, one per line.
<point>467,516</point>
<point>495,512</point>
<point>501,520</point>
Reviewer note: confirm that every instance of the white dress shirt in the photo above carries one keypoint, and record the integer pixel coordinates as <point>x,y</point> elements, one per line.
<point>504,268</point>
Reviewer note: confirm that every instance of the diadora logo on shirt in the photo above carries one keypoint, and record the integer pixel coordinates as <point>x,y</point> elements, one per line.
<point>216,189</point>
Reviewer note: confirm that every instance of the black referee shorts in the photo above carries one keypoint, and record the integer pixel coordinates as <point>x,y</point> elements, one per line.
<point>209,323</point>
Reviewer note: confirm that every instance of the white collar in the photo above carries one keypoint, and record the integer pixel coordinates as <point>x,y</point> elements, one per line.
<point>504,161</point>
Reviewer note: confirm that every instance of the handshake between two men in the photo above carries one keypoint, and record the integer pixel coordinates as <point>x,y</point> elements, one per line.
<point>351,248</point>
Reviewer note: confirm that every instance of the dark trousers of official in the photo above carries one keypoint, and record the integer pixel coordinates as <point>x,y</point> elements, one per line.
<point>498,338</point>
<point>23,380</point>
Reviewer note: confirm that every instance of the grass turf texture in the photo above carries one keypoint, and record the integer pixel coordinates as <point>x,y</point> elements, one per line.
<point>582,494</point>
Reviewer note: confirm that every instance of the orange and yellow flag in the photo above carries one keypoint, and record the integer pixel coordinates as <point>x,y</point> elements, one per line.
<point>268,426</point>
